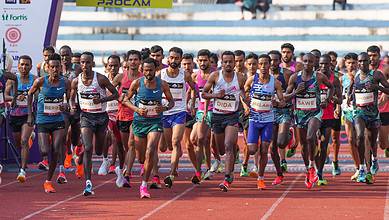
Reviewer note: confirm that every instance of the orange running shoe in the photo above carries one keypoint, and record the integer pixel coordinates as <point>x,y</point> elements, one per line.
<point>68,161</point>
<point>48,186</point>
<point>80,171</point>
<point>261,184</point>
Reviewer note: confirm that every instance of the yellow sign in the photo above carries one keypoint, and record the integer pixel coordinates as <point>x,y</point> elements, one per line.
<point>126,3</point>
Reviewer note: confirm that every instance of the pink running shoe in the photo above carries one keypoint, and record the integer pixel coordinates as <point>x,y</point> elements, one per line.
<point>144,193</point>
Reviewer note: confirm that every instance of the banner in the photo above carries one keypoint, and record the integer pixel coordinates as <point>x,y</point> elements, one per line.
<point>126,3</point>
<point>28,26</point>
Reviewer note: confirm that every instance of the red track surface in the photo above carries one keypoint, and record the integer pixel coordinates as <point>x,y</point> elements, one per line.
<point>341,199</point>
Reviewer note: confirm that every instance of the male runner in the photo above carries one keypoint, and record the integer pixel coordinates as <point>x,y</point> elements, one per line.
<point>304,88</point>
<point>52,88</point>
<point>227,89</point>
<point>147,124</point>
<point>317,55</point>
<point>21,130</point>
<point>42,67</point>
<point>283,116</point>
<point>90,87</point>
<point>174,119</point>
<point>260,89</point>
<point>383,107</point>
<point>331,111</point>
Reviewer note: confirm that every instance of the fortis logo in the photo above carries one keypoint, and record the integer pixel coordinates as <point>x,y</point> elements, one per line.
<point>11,17</point>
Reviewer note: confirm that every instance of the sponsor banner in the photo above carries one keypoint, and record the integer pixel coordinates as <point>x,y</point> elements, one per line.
<point>27,27</point>
<point>127,3</point>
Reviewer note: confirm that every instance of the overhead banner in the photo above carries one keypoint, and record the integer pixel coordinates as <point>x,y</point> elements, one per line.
<point>28,26</point>
<point>126,3</point>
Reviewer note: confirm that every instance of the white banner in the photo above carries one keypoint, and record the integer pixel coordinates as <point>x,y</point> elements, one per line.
<point>28,26</point>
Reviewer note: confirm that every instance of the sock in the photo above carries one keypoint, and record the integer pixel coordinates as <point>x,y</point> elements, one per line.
<point>22,170</point>
<point>362,167</point>
<point>61,168</point>
<point>244,166</point>
<point>144,183</point>
<point>88,182</point>
<point>261,177</point>
<point>311,163</point>
<point>283,161</point>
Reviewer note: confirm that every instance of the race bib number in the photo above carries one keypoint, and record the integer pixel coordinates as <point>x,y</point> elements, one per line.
<point>306,102</point>
<point>150,106</point>
<point>323,95</point>
<point>112,106</point>
<point>226,104</point>
<point>23,102</point>
<point>364,98</point>
<point>261,103</point>
<point>51,106</point>
<point>176,91</point>
<point>86,102</point>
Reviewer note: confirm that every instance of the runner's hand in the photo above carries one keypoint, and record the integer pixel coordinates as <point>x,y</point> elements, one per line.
<point>337,113</point>
<point>96,100</point>
<point>220,94</point>
<point>300,87</point>
<point>142,112</point>
<point>159,108</point>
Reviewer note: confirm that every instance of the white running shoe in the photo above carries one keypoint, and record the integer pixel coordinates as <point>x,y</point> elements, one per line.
<point>1,168</point>
<point>120,181</point>
<point>355,176</point>
<point>103,170</point>
<point>215,166</point>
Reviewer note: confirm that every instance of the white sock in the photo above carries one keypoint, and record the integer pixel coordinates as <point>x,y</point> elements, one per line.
<point>105,158</point>
<point>374,158</point>
<point>261,177</point>
<point>362,167</point>
<point>144,183</point>
<point>22,170</point>
<point>61,168</point>
<point>311,163</point>
<point>88,182</point>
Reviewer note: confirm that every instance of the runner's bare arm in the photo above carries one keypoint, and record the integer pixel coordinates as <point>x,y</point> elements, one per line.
<point>380,79</point>
<point>131,92</point>
<point>337,98</point>
<point>7,93</point>
<point>280,95</point>
<point>105,83</point>
<point>38,83</point>
<point>290,90</point>
<point>73,93</point>
<point>208,85</point>
<point>247,87</point>
<point>116,82</point>
<point>168,96</point>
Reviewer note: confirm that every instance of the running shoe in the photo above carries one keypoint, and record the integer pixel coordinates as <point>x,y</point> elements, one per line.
<point>291,152</point>
<point>312,175</point>
<point>243,171</point>
<point>21,176</point>
<point>307,182</point>
<point>284,166</point>
<point>1,168</point>
<point>215,166</point>
<point>155,183</point>
<point>335,168</point>
<point>169,181</point>
<point>278,180</point>
<point>120,178</point>
<point>79,171</point>
<point>61,179</point>
<point>355,176</point>
<point>48,186</point>
<point>374,167</point>
<point>361,176</point>
<point>322,182</point>
<point>103,170</point>
<point>221,168</point>
<point>369,178</point>
<point>68,161</point>
<point>142,170</point>
<point>43,165</point>
<point>144,193</point>
<point>254,172</point>
<point>207,175</point>
<point>195,179</point>
<point>88,189</point>
<point>224,186</point>
<point>111,169</point>
<point>261,184</point>
<point>387,152</point>
<point>126,182</point>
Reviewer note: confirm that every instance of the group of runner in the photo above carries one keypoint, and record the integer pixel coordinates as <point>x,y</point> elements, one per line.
<point>141,106</point>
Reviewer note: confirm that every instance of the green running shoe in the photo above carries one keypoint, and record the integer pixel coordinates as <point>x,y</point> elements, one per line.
<point>243,171</point>
<point>369,178</point>
<point>335,168</point>
<point>291,152</point>
<point>284,166</point>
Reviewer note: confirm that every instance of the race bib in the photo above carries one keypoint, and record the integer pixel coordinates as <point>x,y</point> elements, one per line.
<point>364,98</point>
<point>86,102</point>
<point>176,91</point>
<point>226,104</point>
<point>201,95</point>
<point>1,98</point>
<point>51,106</point>
<point>22,103</point>
<point>112,106</point>
<point>261,103</point>
<point>306,102</point>
<point>323,95</point>
<point>150,106</point>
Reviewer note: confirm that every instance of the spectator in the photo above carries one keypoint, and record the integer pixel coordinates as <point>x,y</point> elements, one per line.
<point>343,3</point>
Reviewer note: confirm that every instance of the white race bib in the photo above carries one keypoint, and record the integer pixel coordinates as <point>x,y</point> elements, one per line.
<point>261,104</point>
<point>323,95</point>
<point>227,104</point>
<point>176,91</point>
<point>364,99</point>
<point>51,106</point>
<point>1,98</point>
<point>86,102</point>
<point>112,106</point>
<point>306,103</point>
<point>150,106</point>
<point>22,103</point>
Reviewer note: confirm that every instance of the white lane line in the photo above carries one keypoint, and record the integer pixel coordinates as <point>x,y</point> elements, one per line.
<point>279,200</point>
<point>152,212</point>
<point>28,177</point>
<point>63,201</point>
<point>386,209</point>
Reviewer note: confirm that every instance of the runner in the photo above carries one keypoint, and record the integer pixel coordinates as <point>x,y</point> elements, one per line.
<point>366,114</point>
<point>76,58</point>
<point>147,124</point>
<point>383,106</point>
<point>317,55</point>
<point>304,88</point>
<point>260,89</point>
<point>52,88</point>
<point>90,88</point>
<point>214,59</point>
<point>21,130</point>
<point>125,115</point>
<point>331,111</point>
<point>174,119</point>
<point>227,88</point>
<point>283,116</point>
<point>347,111</point>
<point>42,67</point>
